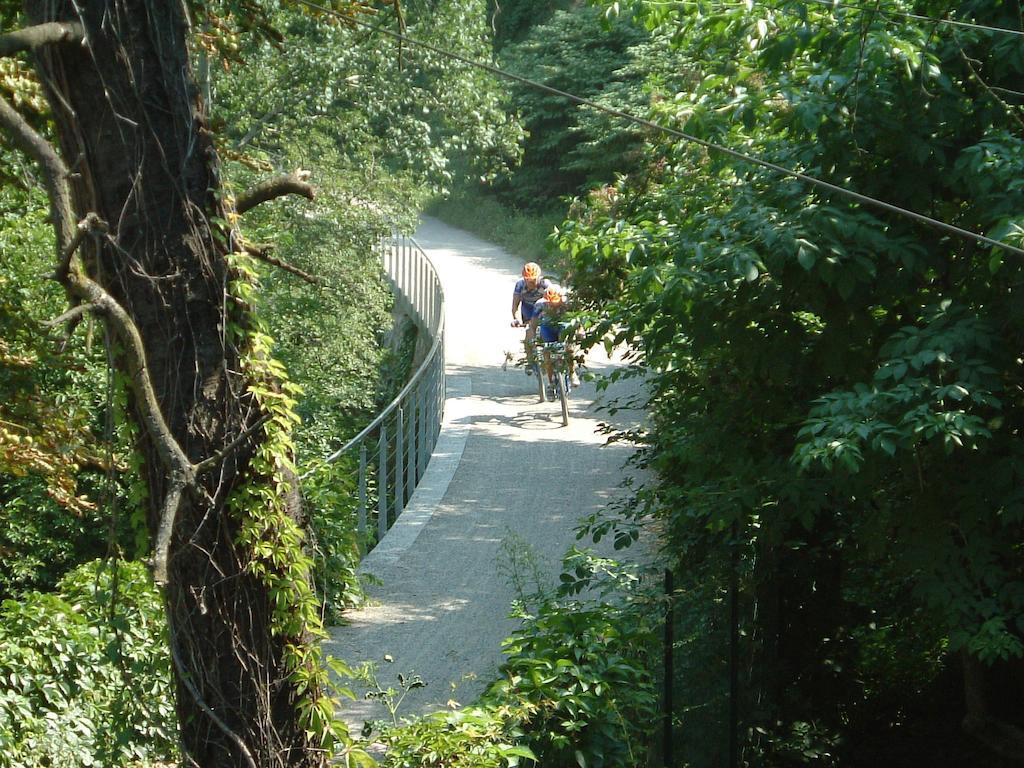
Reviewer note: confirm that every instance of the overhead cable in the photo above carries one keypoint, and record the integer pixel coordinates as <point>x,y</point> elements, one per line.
<point>838,6</point>
<point>820,183</point>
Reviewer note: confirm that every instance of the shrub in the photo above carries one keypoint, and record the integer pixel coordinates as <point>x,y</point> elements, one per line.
<point>577,675</point>
<point>471,738</point>
<point>85,673</point>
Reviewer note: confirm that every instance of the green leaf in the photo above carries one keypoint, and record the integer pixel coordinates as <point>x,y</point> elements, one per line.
<point>807,257</point>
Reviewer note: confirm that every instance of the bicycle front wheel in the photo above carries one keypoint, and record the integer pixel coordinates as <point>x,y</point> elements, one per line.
<point>538,373</point>
<point>563,398</point>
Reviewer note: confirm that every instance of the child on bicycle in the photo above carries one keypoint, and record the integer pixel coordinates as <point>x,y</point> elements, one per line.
<point>548,320</point>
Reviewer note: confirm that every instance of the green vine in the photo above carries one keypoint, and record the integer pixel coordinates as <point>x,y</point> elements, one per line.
<point>276,543</point>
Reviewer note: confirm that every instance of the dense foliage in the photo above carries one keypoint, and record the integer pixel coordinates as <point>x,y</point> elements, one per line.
<point>375,124</point>
<point>86,672</point>
<point>835,390</point>
<point>578,678</point>
<point>60,448</point>
<point>568,150</point>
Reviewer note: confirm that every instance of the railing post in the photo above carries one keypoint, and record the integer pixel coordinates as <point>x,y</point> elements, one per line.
<point>424,454</point>
<point>438,397</point>
<point>421,288</point>
<point>361,513</point>
<point>410,441</point>
<point>433,405</point>
<point>400,463</point>
<point>382,482</point>
<point>401,276</point>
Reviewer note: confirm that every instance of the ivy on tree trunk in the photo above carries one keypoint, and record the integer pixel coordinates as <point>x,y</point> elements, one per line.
<point>155,262</point>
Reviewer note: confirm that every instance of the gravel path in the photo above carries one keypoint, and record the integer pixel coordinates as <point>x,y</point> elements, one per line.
<point>505,474</point>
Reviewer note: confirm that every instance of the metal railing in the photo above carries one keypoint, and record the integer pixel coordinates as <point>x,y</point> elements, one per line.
<point>393,450</point>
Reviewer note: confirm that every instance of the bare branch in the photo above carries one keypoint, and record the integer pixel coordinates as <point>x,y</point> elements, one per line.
<point>208,464</point>
<point>263,254</point>
<point>171,454</point>
<point>73,314</point>
<point>54,171</point>
<point>51,33</point>
<point>988,89</point>
<point>91,224</point>
<point>289,184</point>
<point>180,469</point>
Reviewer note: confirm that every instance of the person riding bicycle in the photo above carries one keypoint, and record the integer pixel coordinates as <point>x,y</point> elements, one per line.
<point>529,289</point>
<point>549,322</point>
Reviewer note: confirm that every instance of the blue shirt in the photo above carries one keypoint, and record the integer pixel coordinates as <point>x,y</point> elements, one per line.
<point>526,295</point>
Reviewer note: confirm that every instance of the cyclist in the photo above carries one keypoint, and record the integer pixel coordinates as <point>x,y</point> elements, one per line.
<point>548,321</point>
<point>527,292</point>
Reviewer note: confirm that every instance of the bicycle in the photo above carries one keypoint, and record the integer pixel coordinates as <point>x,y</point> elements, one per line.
<point>531,362</point>
<point>558,354</point>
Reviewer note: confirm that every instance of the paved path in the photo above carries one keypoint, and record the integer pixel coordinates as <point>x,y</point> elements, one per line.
<point>505,475</point>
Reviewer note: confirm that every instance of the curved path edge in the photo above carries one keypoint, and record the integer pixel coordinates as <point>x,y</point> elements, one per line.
<point>495,511</point>
<point>444,461</point>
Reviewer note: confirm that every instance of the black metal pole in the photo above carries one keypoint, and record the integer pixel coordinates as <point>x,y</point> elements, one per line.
<point>734,650</point>
<point>669,672</point>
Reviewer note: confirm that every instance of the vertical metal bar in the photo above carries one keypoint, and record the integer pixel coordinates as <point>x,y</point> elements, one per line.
<point>438,397</point>
<point>413,281</point>
<point>400,463</point>
<point>382,481</point>
<point>361,519</point>
<point>444,376</point>
<point>425,293</point>
<point>667,757</point>
<point>433,306</point>
<point>438,405</point>
<point>404,283</point>
<point>431,404</point>
<point>410,441</point>
<point>421,426</point>
<point>734,650</point>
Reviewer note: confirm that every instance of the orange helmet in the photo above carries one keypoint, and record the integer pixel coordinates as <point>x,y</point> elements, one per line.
<point>553,294</point>
<point>531,271</point>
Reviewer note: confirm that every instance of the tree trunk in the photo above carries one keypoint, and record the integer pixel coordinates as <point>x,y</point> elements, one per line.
<point>133,133</point>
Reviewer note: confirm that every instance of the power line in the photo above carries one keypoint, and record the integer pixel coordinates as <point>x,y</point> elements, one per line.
<point>865,199</point>
<point>838,5</point>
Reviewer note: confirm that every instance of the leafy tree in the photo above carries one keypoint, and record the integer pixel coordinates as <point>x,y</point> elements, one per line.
<point>46,425</point>
<point>570,147</point>
<point>511,20</point>
<point>148,242</point>
<point>833,387</point>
